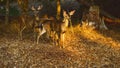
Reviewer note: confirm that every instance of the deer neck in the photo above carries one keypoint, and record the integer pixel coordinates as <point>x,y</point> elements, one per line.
<point>37,18</point>
<point>66,21</point>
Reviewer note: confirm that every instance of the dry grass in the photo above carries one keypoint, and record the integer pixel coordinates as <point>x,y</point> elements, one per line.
<point>84,48</point>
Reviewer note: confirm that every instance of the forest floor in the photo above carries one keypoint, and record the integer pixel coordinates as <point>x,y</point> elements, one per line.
<point>85,48</point>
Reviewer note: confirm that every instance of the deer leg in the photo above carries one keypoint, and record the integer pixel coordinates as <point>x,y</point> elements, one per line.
<point>52,37</point>
<point>40,34</point>
<point>48,34</point>
<point>38,38</point>
<point>62,40</point>
<point>21,32</point>
<point>34,37</point>
<point>20,35</point>
<point>55,38</point>
<point>57,42</point>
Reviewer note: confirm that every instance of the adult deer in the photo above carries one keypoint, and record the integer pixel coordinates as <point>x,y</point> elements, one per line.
<point>63,26</point>
<point>19,24</point>
<point>26,21</point>
<point>56,28</point>
<point>38,27</point>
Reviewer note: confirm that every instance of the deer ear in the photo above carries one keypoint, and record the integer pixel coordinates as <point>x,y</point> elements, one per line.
<point>33,8</point>
<point>72,12</point>
<point>39,7</point>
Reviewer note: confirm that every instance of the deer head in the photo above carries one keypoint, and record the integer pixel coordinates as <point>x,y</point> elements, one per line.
<point>65,15</point>
<point>69,14</point>
<point>37,9</point>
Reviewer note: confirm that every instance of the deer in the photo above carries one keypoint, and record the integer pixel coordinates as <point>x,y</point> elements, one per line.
<point>38,28</point>
<point>24,21</point>
<point>62,27</point>
<point>56,28</point>
<point>19,24</point>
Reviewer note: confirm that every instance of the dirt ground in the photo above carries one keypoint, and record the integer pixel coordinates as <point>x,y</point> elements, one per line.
<point>85,48</point>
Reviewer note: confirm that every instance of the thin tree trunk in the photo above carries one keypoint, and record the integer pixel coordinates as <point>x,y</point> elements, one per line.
<point>7,12</point>
<point>58,9</point>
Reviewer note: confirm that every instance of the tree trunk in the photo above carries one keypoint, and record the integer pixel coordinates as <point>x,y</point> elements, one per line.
<point>58,9</point>
<point>7,12</point>
<point>23,4</point>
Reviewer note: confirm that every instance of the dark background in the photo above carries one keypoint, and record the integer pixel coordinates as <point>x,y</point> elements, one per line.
<point>110,6</point>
